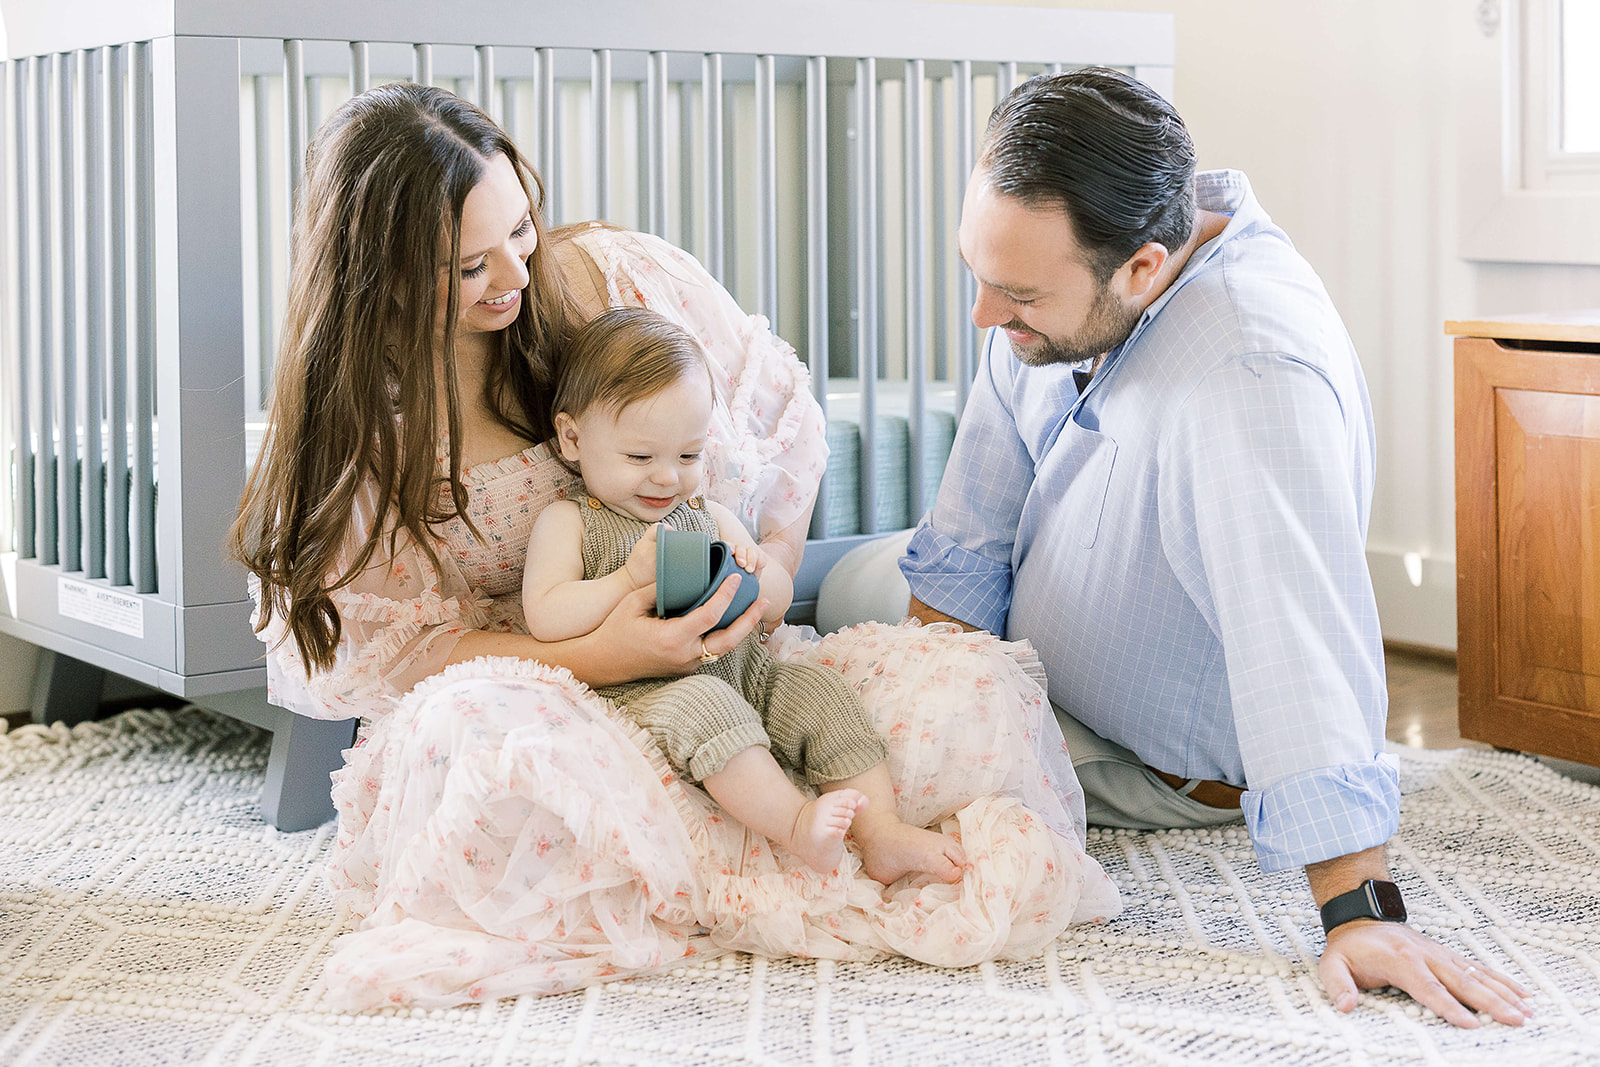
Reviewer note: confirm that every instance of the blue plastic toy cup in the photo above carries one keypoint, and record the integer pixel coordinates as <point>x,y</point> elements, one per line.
<point>690,567</point>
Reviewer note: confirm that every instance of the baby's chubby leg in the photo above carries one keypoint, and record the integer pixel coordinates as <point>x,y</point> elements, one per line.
<point>754,790</point>
<point>891,849</point>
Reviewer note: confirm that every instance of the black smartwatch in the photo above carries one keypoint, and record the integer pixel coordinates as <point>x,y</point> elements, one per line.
<point>1372,899</point>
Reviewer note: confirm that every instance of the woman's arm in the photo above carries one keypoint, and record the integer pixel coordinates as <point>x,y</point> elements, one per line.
<point>777,584</point>
<point>403,619</point>
<point>631,643</point>
<point>787,546</point>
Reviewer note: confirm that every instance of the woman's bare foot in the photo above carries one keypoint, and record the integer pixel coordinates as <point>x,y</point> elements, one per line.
<point>819,829</point>
<point>891,849</point>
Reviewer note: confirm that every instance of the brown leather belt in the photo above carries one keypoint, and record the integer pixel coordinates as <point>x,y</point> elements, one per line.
<point>1211,794</point>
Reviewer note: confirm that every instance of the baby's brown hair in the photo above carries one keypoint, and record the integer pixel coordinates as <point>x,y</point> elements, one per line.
<point>623,356</point>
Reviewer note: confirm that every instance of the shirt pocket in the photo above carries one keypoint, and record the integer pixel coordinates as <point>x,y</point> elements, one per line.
<point>1083,460</point>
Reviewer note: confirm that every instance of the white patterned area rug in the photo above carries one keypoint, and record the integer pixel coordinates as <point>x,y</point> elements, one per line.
<point>147,916</point>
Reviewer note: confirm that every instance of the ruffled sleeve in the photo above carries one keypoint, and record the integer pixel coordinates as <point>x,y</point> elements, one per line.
<point>768,446</point>
<point>399,621</point>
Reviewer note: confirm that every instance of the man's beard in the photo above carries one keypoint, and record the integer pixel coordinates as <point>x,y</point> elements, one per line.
<point>1107,325</point>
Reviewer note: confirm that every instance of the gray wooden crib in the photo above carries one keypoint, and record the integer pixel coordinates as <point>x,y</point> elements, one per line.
<point>811,154</point>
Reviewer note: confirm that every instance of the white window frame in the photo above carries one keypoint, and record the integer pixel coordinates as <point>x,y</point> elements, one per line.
<point>1521,199</point>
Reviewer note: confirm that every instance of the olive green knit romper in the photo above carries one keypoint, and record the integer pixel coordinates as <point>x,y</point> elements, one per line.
<point>810,720</point>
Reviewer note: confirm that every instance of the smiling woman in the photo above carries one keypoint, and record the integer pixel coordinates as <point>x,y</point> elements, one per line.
<point>497,237</point>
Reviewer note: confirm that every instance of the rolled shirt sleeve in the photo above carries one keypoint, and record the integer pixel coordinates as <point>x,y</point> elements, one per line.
<point>960,558</point>
<point>1319,814</point>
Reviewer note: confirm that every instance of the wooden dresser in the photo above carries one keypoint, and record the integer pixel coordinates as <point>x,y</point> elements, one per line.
<point>1528,532</point>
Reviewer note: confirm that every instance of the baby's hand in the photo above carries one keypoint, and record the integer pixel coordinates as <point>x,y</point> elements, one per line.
<point>751,558</point>
<point>641,565</point>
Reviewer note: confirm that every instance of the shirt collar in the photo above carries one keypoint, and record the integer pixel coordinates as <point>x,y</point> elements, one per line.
<point>1227,192</point>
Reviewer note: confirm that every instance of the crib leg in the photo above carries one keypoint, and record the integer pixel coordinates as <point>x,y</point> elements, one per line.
<point>66,690</point>
<point>304,753</point>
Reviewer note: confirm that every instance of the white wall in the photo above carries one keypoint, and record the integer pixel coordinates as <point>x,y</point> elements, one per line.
<point>1344,116</point>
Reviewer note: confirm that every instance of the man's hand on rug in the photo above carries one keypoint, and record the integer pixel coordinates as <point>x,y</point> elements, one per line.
<point>1367,954</point>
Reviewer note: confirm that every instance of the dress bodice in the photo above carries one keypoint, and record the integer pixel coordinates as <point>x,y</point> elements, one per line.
<point>504,496</point>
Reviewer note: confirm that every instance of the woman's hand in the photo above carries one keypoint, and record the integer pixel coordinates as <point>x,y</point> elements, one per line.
<point>640,645</point>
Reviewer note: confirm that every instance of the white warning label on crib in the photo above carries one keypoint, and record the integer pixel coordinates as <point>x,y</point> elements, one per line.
<point>99,606</point>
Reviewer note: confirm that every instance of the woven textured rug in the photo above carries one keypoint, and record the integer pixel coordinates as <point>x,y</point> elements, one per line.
<point>148,916</point>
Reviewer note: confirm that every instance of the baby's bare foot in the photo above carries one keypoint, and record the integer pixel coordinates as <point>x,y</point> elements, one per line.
<point>891,849</point>
<point>819,829</point>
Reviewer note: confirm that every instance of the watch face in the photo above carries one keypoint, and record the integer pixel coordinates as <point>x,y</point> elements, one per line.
<point>1386,895</point>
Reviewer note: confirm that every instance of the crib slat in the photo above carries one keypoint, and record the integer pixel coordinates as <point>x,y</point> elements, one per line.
<point>22,92</point>
<point>879,148</point>
<point>766,190</point>
<point>360,68</point>
<point>914,202</point>
<point>117,388</point>
<point>312,109</point>
<point>1005,80</point>
<point>938,231</point>
<point>422,64</point>
<point>45,191</point>
<point>507,101</point>
<point>92,493</point>
<point>483,79</point>
<point>867,291</point>
<point>684,238</point>
<point>549,165</point>
<point>817,254</point>
<point>637,163</point>
<point>711,80</point>
<point>600,90</point>
<point>655,158</point>
<point>142,524</point>
<point>69,550</point>
<point>294,115</point>
<point>965,150</point>
<point>266,192</point>
<point>734,233</point>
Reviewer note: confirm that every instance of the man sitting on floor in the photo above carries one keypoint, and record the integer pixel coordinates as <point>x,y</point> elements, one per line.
<point>1162,479</point>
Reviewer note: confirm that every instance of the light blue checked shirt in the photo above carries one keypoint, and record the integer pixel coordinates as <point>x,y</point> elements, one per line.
<point>1184,541</point>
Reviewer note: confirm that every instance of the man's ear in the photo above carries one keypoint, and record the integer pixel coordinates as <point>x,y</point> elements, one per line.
<point>567,436</point>
<point>1142,268</point>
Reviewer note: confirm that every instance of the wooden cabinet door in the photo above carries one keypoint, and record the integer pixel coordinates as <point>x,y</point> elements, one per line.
<point>1528,547</point>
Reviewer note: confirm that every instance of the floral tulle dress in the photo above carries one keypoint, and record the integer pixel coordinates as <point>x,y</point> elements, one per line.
<point>503,830</point>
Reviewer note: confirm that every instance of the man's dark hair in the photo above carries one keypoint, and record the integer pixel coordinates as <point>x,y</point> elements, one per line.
<point>1104,146</point>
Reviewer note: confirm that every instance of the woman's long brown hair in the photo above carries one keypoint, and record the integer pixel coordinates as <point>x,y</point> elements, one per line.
<point>353,399</point>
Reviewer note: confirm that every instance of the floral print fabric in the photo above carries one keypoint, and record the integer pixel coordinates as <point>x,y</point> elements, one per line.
<point>522,836</point>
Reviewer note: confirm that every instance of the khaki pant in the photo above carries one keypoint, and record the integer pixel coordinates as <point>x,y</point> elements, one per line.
<point>1120,791</point>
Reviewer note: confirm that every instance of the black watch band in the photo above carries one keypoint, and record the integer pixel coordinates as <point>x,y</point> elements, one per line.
<point>1372,899</point>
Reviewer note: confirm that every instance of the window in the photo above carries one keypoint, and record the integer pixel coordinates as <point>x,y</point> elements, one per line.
<point>1560,94</point>
<point>1580,76</point>
<point>1530,133</point>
